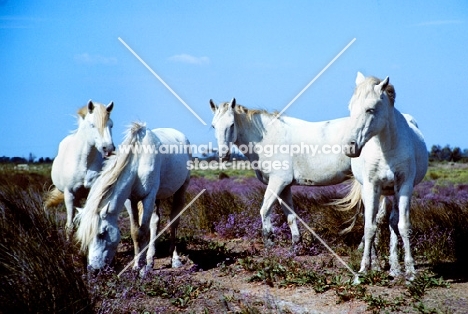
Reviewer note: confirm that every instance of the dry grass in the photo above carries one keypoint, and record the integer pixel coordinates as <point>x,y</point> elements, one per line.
<point>41,272</point>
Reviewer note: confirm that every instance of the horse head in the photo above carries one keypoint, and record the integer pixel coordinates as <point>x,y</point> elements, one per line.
<point>103,245</point>
<point>225,127</point>
<point>98,125</point>
<point>369,111</point>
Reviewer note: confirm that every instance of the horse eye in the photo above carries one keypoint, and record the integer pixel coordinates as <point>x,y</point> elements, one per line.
<point>101,234</point>
<point>370,110</point>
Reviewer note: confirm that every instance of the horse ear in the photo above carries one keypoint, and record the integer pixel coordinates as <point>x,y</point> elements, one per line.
<point>78,215</point>
<point>233,103</point>
<point>380,88</point>
<point>90,106</point>
<point>105,210</point>
<point>213,106</point>
<point>109,107</point>
<point>360,78</point>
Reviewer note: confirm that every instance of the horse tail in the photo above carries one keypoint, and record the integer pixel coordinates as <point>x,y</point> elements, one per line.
<point>53,198</point>
<point>351,201</point>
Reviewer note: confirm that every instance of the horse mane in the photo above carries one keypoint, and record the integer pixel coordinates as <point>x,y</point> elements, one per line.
<point>390,90</point>
<point>244,116</point>
<point>101,115</point>
<point>88,218</point>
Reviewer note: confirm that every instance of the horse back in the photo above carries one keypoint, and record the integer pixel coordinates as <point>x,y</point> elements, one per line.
<point>66,172</point>
<point>175,157</point>
<point>325,159</point>
<point>315,155</point>
<point>415,145</point>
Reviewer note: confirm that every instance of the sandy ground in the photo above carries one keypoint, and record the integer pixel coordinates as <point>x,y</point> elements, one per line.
<point>231,292</point>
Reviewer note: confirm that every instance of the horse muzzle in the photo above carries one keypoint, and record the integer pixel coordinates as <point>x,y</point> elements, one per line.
<point>352,149</point>
<point>108,150</point>
<point>225,157</point>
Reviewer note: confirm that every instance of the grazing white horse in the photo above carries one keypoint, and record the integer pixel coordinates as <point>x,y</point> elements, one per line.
<point>80,158</point>
<point>283,151</point>
<point>140,171</point>
<point>389,157</point>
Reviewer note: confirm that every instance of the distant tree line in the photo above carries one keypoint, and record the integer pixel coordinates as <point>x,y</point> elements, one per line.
<point>446,153</point>
<point>22,160</point>
<point>437,153</point>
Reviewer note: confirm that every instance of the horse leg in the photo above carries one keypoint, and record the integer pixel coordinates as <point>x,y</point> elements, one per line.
<point>146,214</point>
<point>154,227</point>
<point>177,205</point>
<point>134,228</point>
<point>393,259</point>
<point>404,227</point>
<point>69,200</point>
<point>379,221</point>
<point>274,189</point>
<point>371,203</point>
<point>288,210</point>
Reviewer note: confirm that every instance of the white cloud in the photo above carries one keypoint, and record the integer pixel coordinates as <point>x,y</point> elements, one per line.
<point>86,58</point>
<point>439,22</point>
<point>186,58</point>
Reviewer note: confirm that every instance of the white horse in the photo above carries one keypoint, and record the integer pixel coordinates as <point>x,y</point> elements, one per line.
<point>389,158</point>
<point>140,171</point>
<point>283,151</point>
<point>80,158</point>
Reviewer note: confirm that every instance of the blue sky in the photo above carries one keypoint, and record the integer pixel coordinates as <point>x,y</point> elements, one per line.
<point>55,56</point>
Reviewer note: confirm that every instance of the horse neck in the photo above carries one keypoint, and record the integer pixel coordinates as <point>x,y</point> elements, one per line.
<point>250,130</point>
<point>387,138</point>
<point>88,154</point>
<point>94,158</point>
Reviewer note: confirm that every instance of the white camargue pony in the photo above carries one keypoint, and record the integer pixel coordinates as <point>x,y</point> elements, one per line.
<point>139,171</point>
<point>389,157</point>
<point>80,158</point>
<point>284,151</point>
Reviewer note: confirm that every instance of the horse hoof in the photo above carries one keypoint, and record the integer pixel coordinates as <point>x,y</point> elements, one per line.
<point>376,267</point>
<point>139,270</point>
<point>395,273</point>
<point>409,277</point>
<point>298,249</point>
<point>268,240</point>
<point>144,271</point>
<point>296,239</point>
<point>176,262</point>
<point>268,243</point>
<point>356,280</point>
